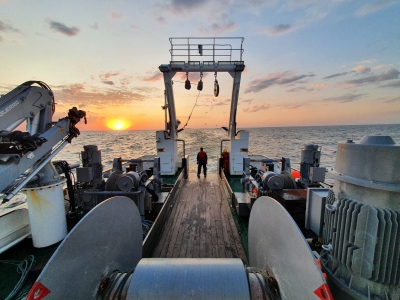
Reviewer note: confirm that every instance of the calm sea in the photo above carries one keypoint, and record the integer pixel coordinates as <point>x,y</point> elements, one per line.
<point>272,142</point>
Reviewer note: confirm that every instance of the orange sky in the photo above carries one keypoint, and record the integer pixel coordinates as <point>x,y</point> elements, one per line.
<point>307,62</point>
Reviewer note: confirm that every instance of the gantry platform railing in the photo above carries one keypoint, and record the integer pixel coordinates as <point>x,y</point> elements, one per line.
<point>207,51</point>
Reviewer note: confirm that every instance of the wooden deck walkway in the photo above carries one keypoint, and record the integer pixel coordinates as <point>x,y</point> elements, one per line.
<point>201,224</point>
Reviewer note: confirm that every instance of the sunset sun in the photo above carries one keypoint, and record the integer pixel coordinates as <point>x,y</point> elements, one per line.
<point>117,124</point>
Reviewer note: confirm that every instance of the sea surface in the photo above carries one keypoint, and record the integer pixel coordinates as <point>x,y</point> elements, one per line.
<point>272,142</point>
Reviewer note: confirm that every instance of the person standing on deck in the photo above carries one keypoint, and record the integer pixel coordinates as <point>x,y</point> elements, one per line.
<point>202,161</point>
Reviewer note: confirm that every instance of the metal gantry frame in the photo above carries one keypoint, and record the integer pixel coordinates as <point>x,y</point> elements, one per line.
<point>204,60</point>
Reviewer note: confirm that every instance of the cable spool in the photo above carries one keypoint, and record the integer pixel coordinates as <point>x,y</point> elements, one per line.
<point>115,286</point>
<point>128,181</point>
<point>111,184</point>
<point>288,180</point>
<point>143,177</point>
<point>271,181</point>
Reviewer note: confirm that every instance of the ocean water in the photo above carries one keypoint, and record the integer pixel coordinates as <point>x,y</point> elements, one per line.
<point>272,142</point>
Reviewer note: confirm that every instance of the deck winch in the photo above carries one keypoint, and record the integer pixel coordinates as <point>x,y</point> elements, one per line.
<point>137,179</point>
<point>310,171</point>
<point>107,258</point>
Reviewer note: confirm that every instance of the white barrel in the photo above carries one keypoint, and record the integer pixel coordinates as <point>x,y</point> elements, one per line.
<point>46,214</point>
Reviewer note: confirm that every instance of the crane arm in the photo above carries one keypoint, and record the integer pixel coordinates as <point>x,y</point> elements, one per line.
<point>23,151</point>
<point>24,103</point>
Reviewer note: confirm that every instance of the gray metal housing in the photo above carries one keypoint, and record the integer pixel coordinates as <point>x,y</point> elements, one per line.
<point>362,234</point>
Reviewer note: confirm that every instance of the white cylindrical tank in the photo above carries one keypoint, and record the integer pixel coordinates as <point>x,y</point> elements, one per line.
<point>46,214</point>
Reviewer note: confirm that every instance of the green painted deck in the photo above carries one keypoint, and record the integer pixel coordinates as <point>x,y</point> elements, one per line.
<point>200,224</point>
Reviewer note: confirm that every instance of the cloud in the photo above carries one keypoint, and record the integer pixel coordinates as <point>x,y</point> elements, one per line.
<point>362,69</point>
<point>299,89</point>
<point>212,102</point>
<point>297,3</point>
<point>6,27</point>
<point>291,106</point>
<point>278,29</point>
<point>80,93</point>
<point>156,76</point>
<point>246,101</point>
<point>335,75</point>
<point>94,26</point>
<point>184,6</point>
<point>73,89</point>
<point>392,100</point>
<point>374,7</point>
<point>221,103</point>
<point>161,20</point>
<point>126,80</point>
<point>256,108</point>
<point>62,28</point>
<point>344,98</point>
<point>219,28</point>
<point>272,79</point>
<point>318,86</point>
<point>147,89</point>
<point>116,15</point>
<point>378,67</point>
<point>387,75</point>
<point>104,76</point>
<point>395,84</point>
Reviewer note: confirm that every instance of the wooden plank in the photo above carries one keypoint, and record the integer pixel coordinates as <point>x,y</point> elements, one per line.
<point>209,224</point>
<point>237,244</point>
<point>171,232</point>
<point>200,224</point>
<point>215,251</point>
<point>162,247</point>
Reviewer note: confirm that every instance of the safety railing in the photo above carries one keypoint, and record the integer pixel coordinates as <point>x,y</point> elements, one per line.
<point>208,50</point>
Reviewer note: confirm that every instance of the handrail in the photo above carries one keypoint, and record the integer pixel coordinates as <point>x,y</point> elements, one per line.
<point>212,45</point>
<point>221,145</point>
<point>184,146</point>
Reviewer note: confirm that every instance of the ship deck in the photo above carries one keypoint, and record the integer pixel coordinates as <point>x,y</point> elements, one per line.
<point>200,224</point>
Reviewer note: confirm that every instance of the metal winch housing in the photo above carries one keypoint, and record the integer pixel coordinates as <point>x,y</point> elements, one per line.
<point>310,172</point>
<point>361,233</point>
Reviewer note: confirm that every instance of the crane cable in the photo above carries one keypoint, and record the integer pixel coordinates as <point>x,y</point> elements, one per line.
<point>190,113</point>
<point>23,268</point>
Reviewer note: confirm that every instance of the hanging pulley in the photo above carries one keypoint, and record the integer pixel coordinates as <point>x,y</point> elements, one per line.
<point>187,82</point>
<point>200,84</point>
<point>216,86</point>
